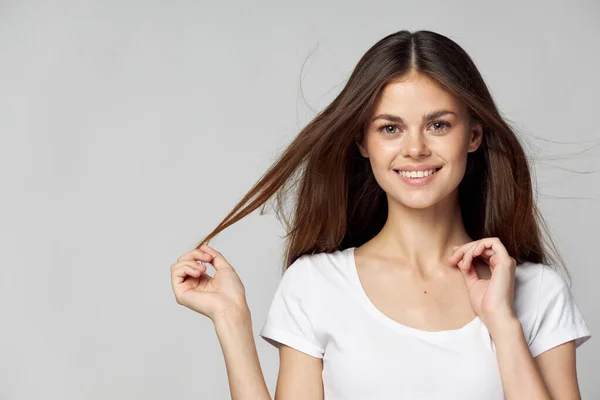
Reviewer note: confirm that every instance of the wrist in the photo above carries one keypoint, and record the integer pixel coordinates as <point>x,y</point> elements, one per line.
<point>503,327</point>
<point>233,318</point>
<point>235,334</point>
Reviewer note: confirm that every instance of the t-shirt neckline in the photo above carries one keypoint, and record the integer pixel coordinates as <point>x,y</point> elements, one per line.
<point>375,312</point>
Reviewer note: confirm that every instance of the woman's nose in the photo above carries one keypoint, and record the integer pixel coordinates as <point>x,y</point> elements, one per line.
<point>414,145</point>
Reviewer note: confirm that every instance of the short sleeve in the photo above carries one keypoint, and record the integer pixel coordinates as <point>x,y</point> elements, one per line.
<point>558,318</point>
<point>290,319</point>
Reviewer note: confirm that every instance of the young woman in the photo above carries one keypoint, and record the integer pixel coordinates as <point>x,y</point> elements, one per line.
<point>416,266</point>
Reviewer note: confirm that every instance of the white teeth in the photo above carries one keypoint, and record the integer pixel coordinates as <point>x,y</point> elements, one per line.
<point>417,174</point>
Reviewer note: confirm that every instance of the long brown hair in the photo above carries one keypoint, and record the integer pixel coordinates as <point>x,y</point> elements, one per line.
<point>338,203</point>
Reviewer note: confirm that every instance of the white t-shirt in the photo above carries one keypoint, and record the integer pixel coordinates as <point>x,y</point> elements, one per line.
<point>321,309</point>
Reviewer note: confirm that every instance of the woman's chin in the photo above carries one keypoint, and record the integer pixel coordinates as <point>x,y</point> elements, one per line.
<point>417,203</point>
<point>420,205</point>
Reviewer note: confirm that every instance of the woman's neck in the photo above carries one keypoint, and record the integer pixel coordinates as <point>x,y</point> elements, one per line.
<point>421,238</point>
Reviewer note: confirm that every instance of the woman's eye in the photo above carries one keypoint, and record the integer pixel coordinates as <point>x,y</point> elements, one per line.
<point>443,126</point>
<point>388,129</point>
<point>438,126</point>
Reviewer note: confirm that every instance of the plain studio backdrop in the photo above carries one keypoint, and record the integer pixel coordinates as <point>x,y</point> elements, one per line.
<point>129,129</point>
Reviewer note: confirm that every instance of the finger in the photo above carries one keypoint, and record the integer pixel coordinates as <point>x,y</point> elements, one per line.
<point>487,253</point>
<point>196,254</point>
<point>459,251</point>
<point>496,245</point>
<point>473,252</point>
<point>469,273</point>
<point>492,243</point>
<point>498,252</point>
<point>194,264</point>
<point>183,286</point>
<point>190,263</point>
<point>179,274</point>
<point>218,260</point>
<point>202,268</point>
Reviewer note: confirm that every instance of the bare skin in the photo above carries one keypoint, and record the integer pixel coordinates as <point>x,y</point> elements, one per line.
<point>404,269</point>
<point>432,304</point>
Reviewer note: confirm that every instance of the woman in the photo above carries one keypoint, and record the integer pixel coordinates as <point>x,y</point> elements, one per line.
<point>415,261</point>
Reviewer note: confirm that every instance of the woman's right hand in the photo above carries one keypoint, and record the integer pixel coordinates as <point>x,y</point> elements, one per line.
<point>220,296</point>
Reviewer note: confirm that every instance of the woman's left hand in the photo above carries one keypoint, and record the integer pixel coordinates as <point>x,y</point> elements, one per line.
<point>492,300</point>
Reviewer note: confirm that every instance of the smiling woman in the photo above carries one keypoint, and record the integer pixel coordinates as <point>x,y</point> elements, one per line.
<point>415,263</point>
<point>421,142</point>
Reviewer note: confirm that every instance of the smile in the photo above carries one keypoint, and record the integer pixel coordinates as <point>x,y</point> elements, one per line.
<point>418,174</point>
<point>417,178</point>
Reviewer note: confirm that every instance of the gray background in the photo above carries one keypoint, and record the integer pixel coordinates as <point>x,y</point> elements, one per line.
<point>129,129</point>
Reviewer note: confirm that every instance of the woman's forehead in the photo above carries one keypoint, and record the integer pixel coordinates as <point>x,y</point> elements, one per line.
<point>415,97</point>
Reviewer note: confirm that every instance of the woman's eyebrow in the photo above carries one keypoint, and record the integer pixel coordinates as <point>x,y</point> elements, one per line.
<point>427,117</point>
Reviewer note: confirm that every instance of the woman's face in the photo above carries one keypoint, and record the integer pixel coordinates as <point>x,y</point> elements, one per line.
<point>401,137</point>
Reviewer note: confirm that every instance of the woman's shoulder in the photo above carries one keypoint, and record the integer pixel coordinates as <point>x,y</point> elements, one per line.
<point>528,285</point>
<point>327,267</point>
<point>535,280</point>
<point>546,308</point>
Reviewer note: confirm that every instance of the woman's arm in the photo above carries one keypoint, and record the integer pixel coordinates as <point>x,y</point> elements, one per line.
<point>222,298</point>
<point>493,300</point>
<point>521,378</point>
<point>246,380</point>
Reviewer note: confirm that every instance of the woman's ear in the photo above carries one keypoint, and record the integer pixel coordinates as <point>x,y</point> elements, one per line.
<point>476,136</point>
<point>362,149</point>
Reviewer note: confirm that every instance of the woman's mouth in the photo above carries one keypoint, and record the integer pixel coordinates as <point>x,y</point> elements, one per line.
<point>417,178</point>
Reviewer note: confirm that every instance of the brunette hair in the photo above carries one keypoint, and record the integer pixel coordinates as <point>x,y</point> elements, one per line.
<point>337,201</point>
